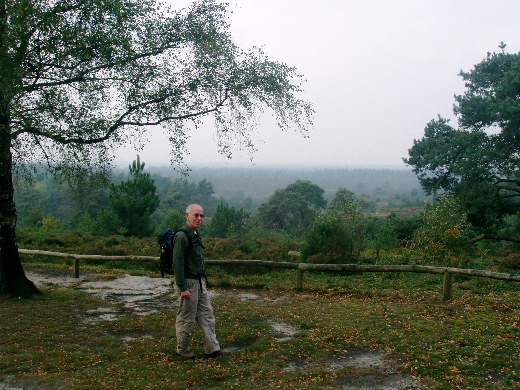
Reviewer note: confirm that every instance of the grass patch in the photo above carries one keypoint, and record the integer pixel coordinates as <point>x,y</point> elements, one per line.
<point>469,343</point>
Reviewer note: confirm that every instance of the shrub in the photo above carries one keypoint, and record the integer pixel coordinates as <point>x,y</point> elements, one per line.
<point>331,239</point>
<point>175,220</point>
<point>444,232</point>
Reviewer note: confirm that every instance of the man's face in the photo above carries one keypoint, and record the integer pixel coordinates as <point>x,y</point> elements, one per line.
<point>194,217</point>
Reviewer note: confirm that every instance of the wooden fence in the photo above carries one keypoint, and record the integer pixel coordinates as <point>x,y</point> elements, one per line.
<point>300,268</point>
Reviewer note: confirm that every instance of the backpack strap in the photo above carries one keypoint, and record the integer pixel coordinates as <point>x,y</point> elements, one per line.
<point>190,240</point>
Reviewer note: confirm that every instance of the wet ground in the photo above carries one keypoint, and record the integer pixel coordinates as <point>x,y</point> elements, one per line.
<point>141,295</point>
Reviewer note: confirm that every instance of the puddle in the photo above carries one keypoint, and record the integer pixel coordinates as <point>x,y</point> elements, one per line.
<point>46,275</point>
<point>380,375</point>
<point>377,382</point>
<point>6,386</point>
<point>283,331</point>
<point>358,357</point>
<point>239,345</point>
<point>141,295</point>
<point>373,370</point>
<point>247,297</point>
<point>297,364</point>
<point>103,314</point>
<point>144,337</point>
<point>138,295</point>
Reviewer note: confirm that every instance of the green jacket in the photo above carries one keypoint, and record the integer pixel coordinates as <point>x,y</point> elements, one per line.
<point>188,262</point>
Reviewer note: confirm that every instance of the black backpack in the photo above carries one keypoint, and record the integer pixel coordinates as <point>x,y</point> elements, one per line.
<point>165,240</point>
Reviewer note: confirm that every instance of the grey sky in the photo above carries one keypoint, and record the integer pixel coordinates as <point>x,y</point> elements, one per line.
<point>377,71</point>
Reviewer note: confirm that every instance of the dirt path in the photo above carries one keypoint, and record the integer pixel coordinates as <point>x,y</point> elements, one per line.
<point>142,295</point>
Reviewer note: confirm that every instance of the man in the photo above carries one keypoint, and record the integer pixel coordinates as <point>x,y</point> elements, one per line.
<point>194,302</point>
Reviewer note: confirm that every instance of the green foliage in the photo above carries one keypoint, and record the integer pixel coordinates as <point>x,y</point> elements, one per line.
<point>327,241</point>
<point>444,232</point>
<point>245,248</point>
<point>479,162</point>
<point>148,65</point>
<point>382,233</point>
<point>336,236</point>
<point>133,201</point>
<point>392,231</point>
<point>49,223</point>
<point>228,222</point>
<point>481,201</point>
<point>175,220</point>
<point>511,228</point>
<point>136,169</point>
<point>86,243</point>
<point>345,198</point>
<point>341,198</point>
<point>106,223</point>
<point>492,100</point>
<point>444,154</point>
<point>293,209</point>
<point>242,185</point>
<point>87,190</point>
<point>405,227</point>
<point>77,202</point>
<point>511,225</point>
<point>179,193</point>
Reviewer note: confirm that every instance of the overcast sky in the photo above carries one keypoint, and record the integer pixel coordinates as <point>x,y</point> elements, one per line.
<point>377,72</point>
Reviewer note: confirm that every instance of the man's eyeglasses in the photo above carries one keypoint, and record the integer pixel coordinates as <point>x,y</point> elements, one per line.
<point>198,215</point>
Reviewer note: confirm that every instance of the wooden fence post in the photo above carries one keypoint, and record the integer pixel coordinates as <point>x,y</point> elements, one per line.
<point>76,267</point>
<point>299,280</point>
<point>446,285</point>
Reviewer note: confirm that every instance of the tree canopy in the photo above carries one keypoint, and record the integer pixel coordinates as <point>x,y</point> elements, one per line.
<point>83,76</point>
<point>133,201</point>
<point>293,208</point>
<point>80,77</point>
<point>479,162</point>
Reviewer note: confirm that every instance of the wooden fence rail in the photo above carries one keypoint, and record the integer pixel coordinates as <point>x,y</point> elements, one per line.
<point>300,268</point>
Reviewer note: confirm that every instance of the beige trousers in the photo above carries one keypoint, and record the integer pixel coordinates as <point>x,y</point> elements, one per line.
<point>196,309</point>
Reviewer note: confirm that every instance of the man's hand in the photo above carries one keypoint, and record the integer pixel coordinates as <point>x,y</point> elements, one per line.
<point>186,294</point>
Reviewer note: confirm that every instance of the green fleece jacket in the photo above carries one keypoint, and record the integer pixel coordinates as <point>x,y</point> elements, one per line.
<point>188,261</point>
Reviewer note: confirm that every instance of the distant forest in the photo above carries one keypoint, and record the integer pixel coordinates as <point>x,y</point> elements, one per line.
<point>384,191</point>
<point>260,183</point>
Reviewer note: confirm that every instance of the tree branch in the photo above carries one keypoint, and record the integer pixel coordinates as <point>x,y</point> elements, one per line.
<point>121,123</point>
<point>515,187</point>
<point>495,237</point>
<point>83,75</point>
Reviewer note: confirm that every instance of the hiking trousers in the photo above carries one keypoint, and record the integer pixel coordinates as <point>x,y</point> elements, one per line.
<point>196,309</point>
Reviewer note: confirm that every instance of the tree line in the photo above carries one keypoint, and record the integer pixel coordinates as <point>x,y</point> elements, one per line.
<point>335,230</point>
<point>387,190</point>
<point>258,183</point>
<point>113,202</point>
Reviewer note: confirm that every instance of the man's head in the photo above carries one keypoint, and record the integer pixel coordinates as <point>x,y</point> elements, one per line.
<point>194,216</point>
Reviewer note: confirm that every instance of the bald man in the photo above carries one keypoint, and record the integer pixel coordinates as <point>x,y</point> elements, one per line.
<point>194,302</point>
